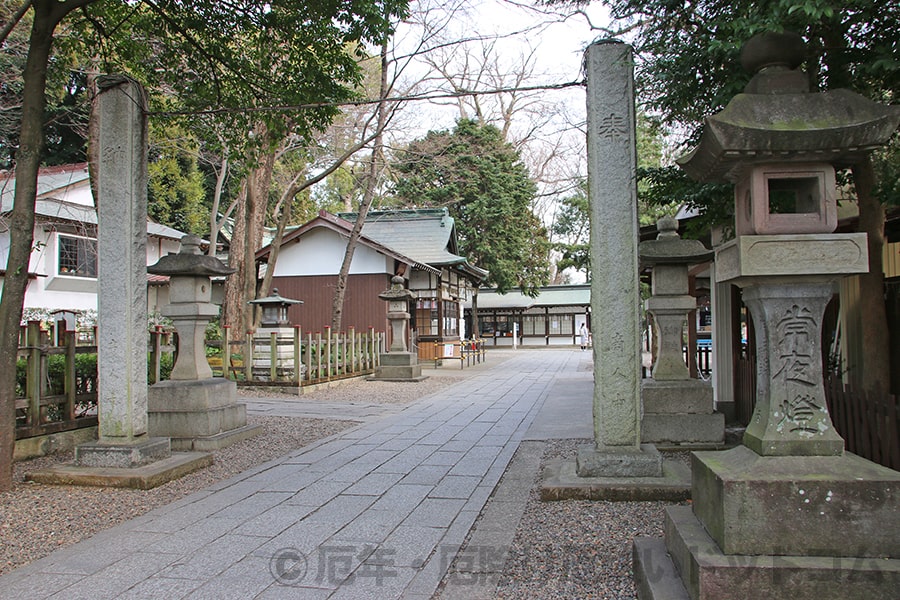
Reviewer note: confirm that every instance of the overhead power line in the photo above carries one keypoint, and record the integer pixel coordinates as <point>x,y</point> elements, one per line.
<point>394,99</point>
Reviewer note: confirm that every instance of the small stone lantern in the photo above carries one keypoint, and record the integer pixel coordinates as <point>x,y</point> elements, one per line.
<point>193,408</point>
<point>670,303</point>
<point>274,310</point>
<point>398,364</point>
<point>274,321</point>
<point>190,306</point>
<point>398,298</point>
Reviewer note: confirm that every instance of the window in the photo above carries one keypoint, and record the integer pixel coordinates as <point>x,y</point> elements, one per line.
<point>77,256</point>
<point>426,316</point>
<point>451,318</point>
<point>534,325</point>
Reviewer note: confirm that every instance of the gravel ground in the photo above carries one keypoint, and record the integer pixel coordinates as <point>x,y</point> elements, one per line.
<point>577,548</point>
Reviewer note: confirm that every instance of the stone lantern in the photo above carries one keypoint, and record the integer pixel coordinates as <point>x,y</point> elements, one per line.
<point>195,409</point>
<point>274,321</point>
<point>398,364</point>
<point>676,408</point>
<point>788,513</point>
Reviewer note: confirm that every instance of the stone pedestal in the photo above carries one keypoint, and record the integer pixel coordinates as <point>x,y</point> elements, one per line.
<point>792,528</point>
<point>680,413</point>
<point>399,366</point>
<point>199,415</point>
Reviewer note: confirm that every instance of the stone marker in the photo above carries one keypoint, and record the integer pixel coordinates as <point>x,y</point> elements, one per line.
<point>125,455</point>
<point>122,282</point>
<point>615,295</point>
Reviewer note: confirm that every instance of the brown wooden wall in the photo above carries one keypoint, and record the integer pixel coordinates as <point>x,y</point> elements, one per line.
<point>362,307</point>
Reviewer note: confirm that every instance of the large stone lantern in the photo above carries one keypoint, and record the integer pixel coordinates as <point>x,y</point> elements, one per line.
<point>195,409</point>
<point>788,514</point>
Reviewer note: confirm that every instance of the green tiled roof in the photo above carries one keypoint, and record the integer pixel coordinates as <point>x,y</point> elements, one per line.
<point>426,235</point>
<point>552,295</point>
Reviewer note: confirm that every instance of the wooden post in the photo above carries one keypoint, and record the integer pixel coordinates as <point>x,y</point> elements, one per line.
<point>33,374</point>
<point>328,360</point>
<point>248,356</point>
<point>318,355</point>
<point>297,354</point>
<point>309,344</point>
<point>70,338</point>
<point>226,351</point>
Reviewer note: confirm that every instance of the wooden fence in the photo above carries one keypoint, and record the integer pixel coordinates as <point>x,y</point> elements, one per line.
<point>870,425</point>
<point>467,352</point>
<point>297,358</point>
<point>55,394</point>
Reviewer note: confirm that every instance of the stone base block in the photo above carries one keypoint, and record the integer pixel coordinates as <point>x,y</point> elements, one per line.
<point>218,441</point>
<point>398,373</point>
<point>797,505</point>
<point>198,415</point>
<point>104,454</point>
<point>142,478</point>
<point>645,461</point>
<point>683,428</point>
<point>200,423</point>
<point>398,359</point>
<point>708,574</point>
<point>676,397</point>
<point>560,482</point>
<point>176,396</point>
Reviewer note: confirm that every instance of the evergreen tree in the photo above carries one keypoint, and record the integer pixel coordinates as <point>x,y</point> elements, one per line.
<point>482,181</point>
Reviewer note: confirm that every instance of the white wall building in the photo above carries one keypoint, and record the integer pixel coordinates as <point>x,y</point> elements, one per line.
<point>63,266</point>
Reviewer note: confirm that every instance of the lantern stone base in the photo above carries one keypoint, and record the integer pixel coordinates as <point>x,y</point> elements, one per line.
<point>680,412</point>
<point>399,366</point>
<point>796,527</point>
<point>198,415</point>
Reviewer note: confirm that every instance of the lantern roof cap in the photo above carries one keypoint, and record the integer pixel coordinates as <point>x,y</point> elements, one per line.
<point>776,119</point>
<point>669,249</point>
<point>275,298</point>
<point>190,261</point>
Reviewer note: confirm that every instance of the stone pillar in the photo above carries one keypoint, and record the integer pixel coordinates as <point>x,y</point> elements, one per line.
<point>615,296</point>
<point>122,281</point>
<point>791,416</point>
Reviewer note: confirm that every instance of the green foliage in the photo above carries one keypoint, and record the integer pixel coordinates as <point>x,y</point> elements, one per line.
<point>85,379</point>
<point>688,61</point>
<point>175,193</point>
<point>572,230</point>
<point>715,201</point>
<point>482,181</point>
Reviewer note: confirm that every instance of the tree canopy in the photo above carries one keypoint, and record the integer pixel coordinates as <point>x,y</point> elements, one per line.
<point>487,189</point>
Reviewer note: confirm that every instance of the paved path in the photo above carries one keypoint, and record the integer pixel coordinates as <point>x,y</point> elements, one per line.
<point>377,511</point>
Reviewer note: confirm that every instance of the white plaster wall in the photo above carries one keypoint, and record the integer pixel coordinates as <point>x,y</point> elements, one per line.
<point>321,251</point>
<point>77,293</point>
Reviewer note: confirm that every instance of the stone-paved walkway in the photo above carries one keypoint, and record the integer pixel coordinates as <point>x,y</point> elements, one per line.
<point>378,511</point>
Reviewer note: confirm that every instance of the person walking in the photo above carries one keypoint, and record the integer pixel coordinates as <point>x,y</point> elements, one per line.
<point>585,335</point>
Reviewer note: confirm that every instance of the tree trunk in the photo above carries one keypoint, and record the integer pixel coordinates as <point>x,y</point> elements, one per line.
<point>875,364</point>
<point>233,309</point>
<point>340,289</point>
<point>21,226</point>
